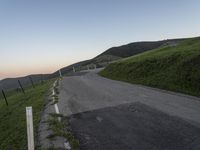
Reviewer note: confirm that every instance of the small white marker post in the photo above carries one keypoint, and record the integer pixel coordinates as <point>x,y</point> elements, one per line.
<point>29,121</point>
<point>60,73</point>
<point>88,67</point>
<point>74,69</point>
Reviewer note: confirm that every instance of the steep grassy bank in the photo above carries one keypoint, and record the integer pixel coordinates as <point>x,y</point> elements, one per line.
<point>13,134</point>
<point>175,68</point>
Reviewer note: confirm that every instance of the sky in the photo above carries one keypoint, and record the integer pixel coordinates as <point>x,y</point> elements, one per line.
<point>41,36</point>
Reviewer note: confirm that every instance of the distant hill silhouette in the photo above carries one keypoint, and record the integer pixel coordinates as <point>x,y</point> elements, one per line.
<point>101,60</point>
<point>138,47</point>
<point>12,83</point>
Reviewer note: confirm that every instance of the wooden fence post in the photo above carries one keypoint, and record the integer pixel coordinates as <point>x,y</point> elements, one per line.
<point>21,86</point>
<point>4,95</point>
<point>42,80</point>
<point>32,82</point>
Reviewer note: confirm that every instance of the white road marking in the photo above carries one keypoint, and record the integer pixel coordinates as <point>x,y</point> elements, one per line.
<point>67,145</point>
<point>55,105</point>
<point>99,118</point>
<point>56,108</point>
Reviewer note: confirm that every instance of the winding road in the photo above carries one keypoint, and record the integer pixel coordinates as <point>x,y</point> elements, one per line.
<point>108,114</point>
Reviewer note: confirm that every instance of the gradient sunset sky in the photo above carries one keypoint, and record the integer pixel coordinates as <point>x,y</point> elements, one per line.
<point>41,36</point>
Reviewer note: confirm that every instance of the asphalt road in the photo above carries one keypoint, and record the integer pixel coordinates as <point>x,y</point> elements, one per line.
<point>108,114</point>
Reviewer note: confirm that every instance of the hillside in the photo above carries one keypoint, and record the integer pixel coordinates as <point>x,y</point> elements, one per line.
<point>116,53</point>
<point>13,117</point>
<point>101,60</point>
<point>138,47</point>
<point>172,68</point>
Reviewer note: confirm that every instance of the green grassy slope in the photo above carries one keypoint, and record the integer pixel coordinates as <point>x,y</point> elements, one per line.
<point>172,68</point>
<point>13,117</point>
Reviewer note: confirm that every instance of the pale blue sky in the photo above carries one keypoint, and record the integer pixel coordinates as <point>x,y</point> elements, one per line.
<point>41,36</point>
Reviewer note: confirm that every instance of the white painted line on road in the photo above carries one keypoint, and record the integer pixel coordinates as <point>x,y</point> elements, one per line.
<point>56,108</point>
<point>53,92</point>
<point>67,146</point>
<point>55,105</point>
<point>29,121</point>
<point>74,69</point>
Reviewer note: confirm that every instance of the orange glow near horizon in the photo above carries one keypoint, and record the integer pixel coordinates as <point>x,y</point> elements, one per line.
<point>20,67</point>
<point>24,70</point>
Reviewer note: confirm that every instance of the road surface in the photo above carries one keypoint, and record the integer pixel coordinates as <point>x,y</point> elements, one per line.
<point>108,114</point>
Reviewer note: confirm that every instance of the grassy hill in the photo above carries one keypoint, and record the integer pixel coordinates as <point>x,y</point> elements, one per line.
<point>175,68</point>
<point>13,134</point>
<point>102,60</point>
<point>116,53</point>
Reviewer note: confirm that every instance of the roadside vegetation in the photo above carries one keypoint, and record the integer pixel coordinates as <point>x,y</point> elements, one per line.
<point>175,68</point>
<point>13,130</point>
<point>59,125</point>
<point>61,128</point>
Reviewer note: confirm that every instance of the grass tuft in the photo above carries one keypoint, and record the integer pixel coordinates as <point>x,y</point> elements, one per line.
<point>61,128</point>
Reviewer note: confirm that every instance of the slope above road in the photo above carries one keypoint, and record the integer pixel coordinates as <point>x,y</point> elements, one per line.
<point>175,68</point>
